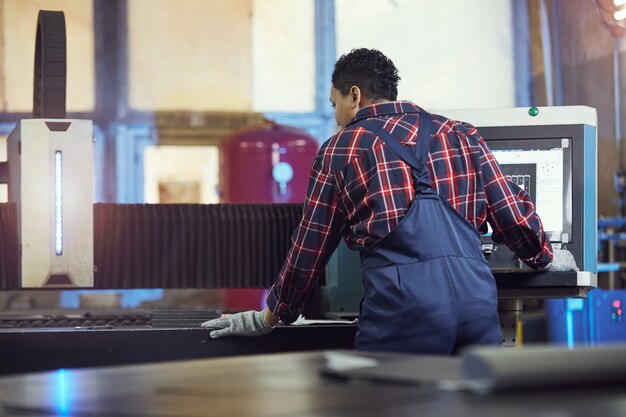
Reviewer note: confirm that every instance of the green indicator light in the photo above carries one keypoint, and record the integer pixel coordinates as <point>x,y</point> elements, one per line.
<point>533,111</point>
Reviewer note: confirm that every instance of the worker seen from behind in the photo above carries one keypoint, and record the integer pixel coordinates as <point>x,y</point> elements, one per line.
<point>410,191</point>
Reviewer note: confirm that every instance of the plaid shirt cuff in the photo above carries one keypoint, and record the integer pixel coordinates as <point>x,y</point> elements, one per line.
<point>286,313</point>
<point>542,259</point>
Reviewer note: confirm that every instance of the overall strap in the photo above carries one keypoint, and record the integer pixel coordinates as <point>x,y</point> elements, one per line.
<point>416,159</point>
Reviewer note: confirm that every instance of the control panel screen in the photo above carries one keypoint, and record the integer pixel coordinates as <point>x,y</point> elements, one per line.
<point>541,167</point>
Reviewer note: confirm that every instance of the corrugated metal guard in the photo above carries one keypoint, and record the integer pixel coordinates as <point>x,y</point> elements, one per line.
<point>176,245</point>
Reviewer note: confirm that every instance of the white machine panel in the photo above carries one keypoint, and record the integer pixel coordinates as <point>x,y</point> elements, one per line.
<point>51,182</point>
<point>519,116</point>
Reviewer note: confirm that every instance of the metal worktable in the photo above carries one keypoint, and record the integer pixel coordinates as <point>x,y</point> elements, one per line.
<point>38,349</point>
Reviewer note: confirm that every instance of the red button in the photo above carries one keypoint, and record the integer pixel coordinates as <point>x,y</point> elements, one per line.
<point>617,303</point>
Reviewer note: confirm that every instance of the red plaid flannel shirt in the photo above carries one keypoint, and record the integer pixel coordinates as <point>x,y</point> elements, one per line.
<point>359,190</point>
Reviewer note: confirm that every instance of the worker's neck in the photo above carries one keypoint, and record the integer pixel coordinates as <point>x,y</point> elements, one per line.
<point>371,101</point>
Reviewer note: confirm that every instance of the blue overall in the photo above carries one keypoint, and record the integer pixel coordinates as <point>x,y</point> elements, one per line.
<point>428,286</point>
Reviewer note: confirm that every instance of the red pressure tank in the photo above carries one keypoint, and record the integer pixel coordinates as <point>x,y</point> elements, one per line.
<point>268,163</point>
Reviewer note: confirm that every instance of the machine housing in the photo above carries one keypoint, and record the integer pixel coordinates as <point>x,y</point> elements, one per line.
<point>51,183</point>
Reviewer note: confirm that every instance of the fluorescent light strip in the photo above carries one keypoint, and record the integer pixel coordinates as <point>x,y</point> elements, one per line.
<point>620,14</point>
<point>58,202</point>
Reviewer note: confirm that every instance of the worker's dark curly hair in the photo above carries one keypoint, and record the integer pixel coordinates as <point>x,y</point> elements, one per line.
<point>369,70</point>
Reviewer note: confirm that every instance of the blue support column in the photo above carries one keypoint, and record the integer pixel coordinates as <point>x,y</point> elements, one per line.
<point>555,29</point>
<point>546,43</point>
<point>521,53</point>
<point>325,57</point>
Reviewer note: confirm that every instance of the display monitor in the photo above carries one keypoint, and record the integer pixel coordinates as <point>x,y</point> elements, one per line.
<point>542,168</point>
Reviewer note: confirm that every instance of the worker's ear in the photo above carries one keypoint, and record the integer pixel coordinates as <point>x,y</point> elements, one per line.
<point>355,96</point>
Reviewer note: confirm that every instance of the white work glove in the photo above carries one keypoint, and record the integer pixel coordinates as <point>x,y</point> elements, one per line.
<point>563,260</point>
<point>248,323</point>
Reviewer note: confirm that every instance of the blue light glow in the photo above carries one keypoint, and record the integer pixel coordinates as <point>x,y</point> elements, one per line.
<point>571,305</point>
<point>61,402</point>
<point>592,318</point>
<point>58,203</point>
<point>129,299</point>
<point>569,323</point>
<point>608,267</point>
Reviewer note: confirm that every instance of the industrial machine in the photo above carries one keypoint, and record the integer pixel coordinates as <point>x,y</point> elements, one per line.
<point>51,184</point>
<point>50,176</point>
<point>53,236</point>
<point>551,153</point>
